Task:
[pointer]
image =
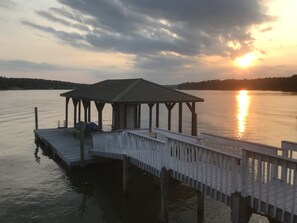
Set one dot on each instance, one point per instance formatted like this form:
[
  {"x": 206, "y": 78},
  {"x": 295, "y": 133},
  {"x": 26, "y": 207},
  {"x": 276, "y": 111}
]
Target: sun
[{"x": 246, "y": 60}]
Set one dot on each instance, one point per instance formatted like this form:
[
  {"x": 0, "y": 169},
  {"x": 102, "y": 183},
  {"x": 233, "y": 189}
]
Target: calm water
[{"x": 33, "y": 188}]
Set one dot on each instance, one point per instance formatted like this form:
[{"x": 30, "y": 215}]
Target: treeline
[
  {"x": 272, "y": 83},
  {"x": 30, "y": 83}
]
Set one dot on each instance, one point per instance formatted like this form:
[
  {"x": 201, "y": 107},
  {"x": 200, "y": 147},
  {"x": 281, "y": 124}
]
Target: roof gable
[{"x": 130, "y": 91}]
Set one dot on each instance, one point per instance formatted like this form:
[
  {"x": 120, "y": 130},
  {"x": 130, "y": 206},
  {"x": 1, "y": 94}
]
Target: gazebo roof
[{"x": 130, "y": 91}]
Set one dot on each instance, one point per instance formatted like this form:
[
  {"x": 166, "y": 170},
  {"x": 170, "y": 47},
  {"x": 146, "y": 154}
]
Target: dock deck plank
[{"x": 67, "y": 147}]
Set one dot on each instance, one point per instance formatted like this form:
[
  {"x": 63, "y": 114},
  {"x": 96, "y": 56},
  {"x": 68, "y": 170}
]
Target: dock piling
[
  {"x": 200, "y": 206},
  {"x": 125, "y": 174},
  {"x": 164, "y": 180},
  {"x": 82, "y": 145},
  {"x": 36, "y": 117}
]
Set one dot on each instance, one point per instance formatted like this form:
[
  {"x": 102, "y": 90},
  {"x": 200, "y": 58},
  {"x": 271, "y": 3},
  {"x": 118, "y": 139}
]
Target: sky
[{"x": 167, "y": 41}]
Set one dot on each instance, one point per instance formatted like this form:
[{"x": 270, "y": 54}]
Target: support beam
[
  {"x": 66, "y": 111},
  {"x": 240, "y": 211},
  {"x": 169, "y": 107},
  {"x": 139, "y": 116},
  {"x": 180, "y": 117},
  {"x": 151, "y": 116},
  {"x": 89, "y": 111},
  {"x": 86, "y": 105},
  {"x": 125, "y": 116},
  {"x": 126, "y": 164},
  {"x": 135, "y": 117},
  {"x": 200, "y": 207},
  {"x": 192, "y": 108},
  {"x": 99, "y": 106},
  {"x": 164, "y": 180},
  {"x": 75, "y": 102},
  {"x": 157, "y": 115},
  {"x": 79, "y": 111}
]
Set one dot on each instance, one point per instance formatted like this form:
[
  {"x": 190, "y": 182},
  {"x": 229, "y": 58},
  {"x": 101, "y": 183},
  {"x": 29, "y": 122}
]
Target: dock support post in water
[
  {"x": 82, "y": 145},
  {"x": 125, "y": 174},
  {"x": 36, "y": 118},
  {"x": 200, "y": 206},
  {"x": 164, "y": 179},
  {"x": 240, "y": 212}
]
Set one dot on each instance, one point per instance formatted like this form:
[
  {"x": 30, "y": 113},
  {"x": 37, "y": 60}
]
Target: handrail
[
  {"x": 146, "y": 137},
  {"x": 242, "y": 143},
  {"x": 208, "y": 148}
]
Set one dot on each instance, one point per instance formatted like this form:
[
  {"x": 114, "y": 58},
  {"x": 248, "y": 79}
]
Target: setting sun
[{"x": 246, "y": 60}]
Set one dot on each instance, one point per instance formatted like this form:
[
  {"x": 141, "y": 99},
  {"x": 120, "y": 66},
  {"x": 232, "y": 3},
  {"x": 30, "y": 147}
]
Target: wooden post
[
  {"x": 86, "y": 105},
  {"x": 125, "y": 174},
  {"x": 79, "y": 111},
  {"x": 135, "y": 117},
  {"x": 99, "y": 106},
  {"x": 157, "y": 115},
  {"x": 36, "y": 117},
  {"x": 180, "y": 117},
  {"x": 151, "y": 116},
  {"x": 164, "y": 180},
  {"x": 169, "y": 107},
  {"x": 200, "y": 207},
  {"x": 66, "y": 111},
  {"x": 82, "y": 145},
  {"x": 75, "y": 101},
  {"x": 125, "y": 116},
  {"x": 139, "y": 116},
  {"x": 89, "y": 111},
  {"x": 194, "y": 118},
  {"x": 240, "y": 211}
]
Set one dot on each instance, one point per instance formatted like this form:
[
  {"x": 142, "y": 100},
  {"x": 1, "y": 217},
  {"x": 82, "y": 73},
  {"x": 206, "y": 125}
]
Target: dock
[
  {"x": 247, "y": 176},
  {"x": 65, "y": 146}
]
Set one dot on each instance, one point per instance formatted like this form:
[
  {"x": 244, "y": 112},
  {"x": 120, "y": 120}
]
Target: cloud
[
  {"x": 6, "y": 65},
  {"x": 8, "y": 4},
  {"x": 147, "y": 29}
]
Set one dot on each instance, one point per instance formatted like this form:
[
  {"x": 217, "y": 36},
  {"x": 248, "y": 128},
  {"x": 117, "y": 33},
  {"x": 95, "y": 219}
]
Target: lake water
[{"x": 34, "y": 188}]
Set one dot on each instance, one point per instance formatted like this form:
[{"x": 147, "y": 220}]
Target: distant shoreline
[
  {"x": 35, "y": 84},
  {"x": 285, "y": 84}
]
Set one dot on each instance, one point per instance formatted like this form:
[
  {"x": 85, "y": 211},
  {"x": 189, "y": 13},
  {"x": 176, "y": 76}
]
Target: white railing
[
  {"x": 216, "y": 171},
  {"x": 270, "y": 181},
  {"x": 145, "y": 149},
  {"x": 255, "y": 170},
  {"x": 112, "y": 143},
  {"x": 175, "y": 135},
  {"x": 289, "y": 149},
  {"x": 235, "y": 146}
]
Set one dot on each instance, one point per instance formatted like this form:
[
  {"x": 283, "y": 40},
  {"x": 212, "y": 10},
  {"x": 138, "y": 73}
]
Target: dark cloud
[{"x": 147, "y": 29}]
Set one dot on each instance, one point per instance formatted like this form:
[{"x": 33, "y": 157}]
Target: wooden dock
[
  {"x": 244, "y": 175},
  {"x": 63, "y": 144}
]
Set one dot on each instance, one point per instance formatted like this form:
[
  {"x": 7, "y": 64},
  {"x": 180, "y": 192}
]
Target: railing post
[{"x": 244, "y": 175}]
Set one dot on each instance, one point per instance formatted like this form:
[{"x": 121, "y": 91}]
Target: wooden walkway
[
  {"x": 220, "y": 167},
  {"x": 62, "y": 144}
]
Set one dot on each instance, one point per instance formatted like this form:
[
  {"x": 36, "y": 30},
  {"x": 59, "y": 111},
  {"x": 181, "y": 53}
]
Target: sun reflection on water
[{"x": 243, "y": 102}]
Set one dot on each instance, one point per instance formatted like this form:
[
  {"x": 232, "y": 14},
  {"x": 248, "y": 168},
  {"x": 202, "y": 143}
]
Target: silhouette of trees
[
  {"x": 271, "y": 83},
  {"x": 29, "y": 83}
]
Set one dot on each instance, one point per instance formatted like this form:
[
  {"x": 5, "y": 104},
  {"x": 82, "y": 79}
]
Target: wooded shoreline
[{"x": 288, "y": 84}]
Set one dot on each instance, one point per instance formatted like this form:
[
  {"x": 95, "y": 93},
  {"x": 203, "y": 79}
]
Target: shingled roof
[{"x": 130, "y": 91}]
